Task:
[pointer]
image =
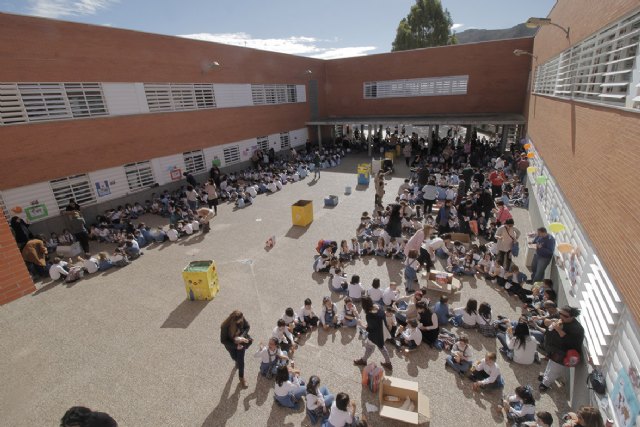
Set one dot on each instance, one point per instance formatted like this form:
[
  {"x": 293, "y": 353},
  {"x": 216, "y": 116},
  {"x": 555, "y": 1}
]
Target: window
[
  {"x": 158, "y": 97},
  {"x": 85, "y": 99},
  {"x": 139, "y": 175},
  {"x": 274, "y": 94},
  {"x": 44, "y": 101},
  {"x": 263, "y": 143},
  {"x": 599, "y": 69},
  {"x": 183, "y": 97},
  {"x": 270, "y": 94},
  {"x": 205, "y": 97},
  {"x": 231, "y": 155},
  {"x": 194, "y": 161},
  {"x": 284, "y": 140},
  {"x": 257, "y": 94},
  {"x": 428, "y": 86},
  {"x": 11, "y": 108},
  {"x": 76, "y": 187},
  {"x": 5, "y": 211},
  {"x": 292, "y": 93}
]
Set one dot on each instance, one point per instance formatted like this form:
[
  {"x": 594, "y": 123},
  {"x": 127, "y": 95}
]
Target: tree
[{"x": 426, "y": 25}]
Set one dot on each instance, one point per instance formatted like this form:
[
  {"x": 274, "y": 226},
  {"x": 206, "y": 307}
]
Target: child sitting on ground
[
  {"x": 485, "y": 373},
  {"x": 338, "y": 282},
  {"x": 367, "y": 247},
  {"x": 375, "y": 293},
  {"x": 329, "y": 314},
  {"x": 307, "y": 317},
  {"x": 284, "y": 338},
  {"x": 355, "y": 289},
  {"x": 271, "y": 357},
  {"x": 410, "y": 337},
  {"x": 350, "y": 315}
]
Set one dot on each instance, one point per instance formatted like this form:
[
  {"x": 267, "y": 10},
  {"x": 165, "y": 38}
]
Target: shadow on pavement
[{"x": 184, "y": 314}]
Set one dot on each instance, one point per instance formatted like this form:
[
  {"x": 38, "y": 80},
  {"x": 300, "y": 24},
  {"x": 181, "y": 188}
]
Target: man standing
[
  {"x": 545, "y": 245},
  {"x": 562, "y": 335},
  {"x": 497, "y": 178},
  {"x": 522, "y": 166},
  {"x": 316, "y": 163}
]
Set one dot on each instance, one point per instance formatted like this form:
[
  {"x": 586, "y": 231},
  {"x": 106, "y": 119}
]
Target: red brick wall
[
  {"x": 592, "y": 152},
  {"x": 14, "y": 277},
  {"x": 497, "y": 80}
]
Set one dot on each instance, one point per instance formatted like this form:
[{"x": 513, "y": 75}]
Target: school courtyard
[{"x": 127, "y": 342}]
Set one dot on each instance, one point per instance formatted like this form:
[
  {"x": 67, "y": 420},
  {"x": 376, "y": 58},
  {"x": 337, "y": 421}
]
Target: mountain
[{"x": 474, "y": 36}]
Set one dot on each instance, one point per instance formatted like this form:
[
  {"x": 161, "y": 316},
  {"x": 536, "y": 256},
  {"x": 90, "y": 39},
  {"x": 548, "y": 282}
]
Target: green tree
[{"x": 426, "y": 25}]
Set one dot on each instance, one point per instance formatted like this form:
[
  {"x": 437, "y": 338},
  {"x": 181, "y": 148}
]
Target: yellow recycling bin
[
  {"x": 390, "y": 155},
  {"x": 302, "y": 213},
  {"x": 201, "y": 280}
]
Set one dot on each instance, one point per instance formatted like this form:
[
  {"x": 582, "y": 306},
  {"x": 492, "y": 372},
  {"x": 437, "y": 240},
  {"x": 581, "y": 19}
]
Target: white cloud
[
  {"x": 457, "y": 26},
  {"x": 344, "y": 52},
  {"x": 62, "y": 8},
  {"x": 295, "y": 45}
]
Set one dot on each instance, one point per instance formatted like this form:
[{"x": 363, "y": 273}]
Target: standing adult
[
  {"x": 316, "y": 164},
  {"x": 522, "y": 166},
  {"x": 190, "y": 179},
  {"x": 467, "y": 174},
  {"x": 72, "y": 206},
  {"x": 497, "y": 178},
  {"x": 374, "y": 316},
  {"x": 394, "y": 226},
  {"x": 77, "y": 227},
  {"x": 562, "y": 335},
  {"x": 406, "y": 152},
  {"x": 429, "y": 196},
  {"x": 545, "y": 245},
  {"x": 35, "y": 255},
  {"x": 212, "y": 195},
  {"x": 234, "y": 335},
  {"x": 506, "y": 235},
  {"x": 20, "y": 231}
]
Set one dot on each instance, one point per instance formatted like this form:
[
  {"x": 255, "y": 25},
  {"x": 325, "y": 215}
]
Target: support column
[
  {"x": 15, "y": 280},
  {"x": 505, "y": 137},
  {"x": 467, "y": 137},
  {"x": 319, "y": 136},
  {"x": 369, "y": 138}
]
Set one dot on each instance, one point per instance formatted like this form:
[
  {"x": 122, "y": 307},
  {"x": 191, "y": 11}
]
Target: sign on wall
[
  {"x": 624, "y": 400},
  {"x": 36, "y": 212},
  {"x": 103, "y": 188},
  {"x": 176, "y": 174}
]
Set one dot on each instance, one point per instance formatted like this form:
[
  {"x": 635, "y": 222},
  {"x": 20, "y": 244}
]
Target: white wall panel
[
  {"x": 301, "y": 93},
  {"x": 125, "y": 98},
  {"x": 213, "y": 153},
  {"x": 247, "y": 147},
  {"x": 32, "y": 202},
  {"x": 274, "y": 142},
  {"x": 233, "y": 95},
  {"x": 168, "y": 169},
  {"x": 112, "y": 184},
  {"x": 298, "y": 137}
]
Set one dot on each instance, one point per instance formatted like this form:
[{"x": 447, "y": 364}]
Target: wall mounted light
[
  {"x": 520, "y": 52},
  {"x": 541, "y": 22}
]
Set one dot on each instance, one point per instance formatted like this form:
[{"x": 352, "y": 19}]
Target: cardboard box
[
  {"x": 461, "y": 237},
  {"x": 302, "y": 213},
  {"x": 392, "y": 386},
  {"x": 448, "y": 286}
]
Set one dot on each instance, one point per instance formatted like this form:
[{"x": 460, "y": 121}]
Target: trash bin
[
  {"x": 201, "y": 280},
  {"x": 331, "y": 200},
  {"x": 302, "y": 213},
  {"x": 364, "y": 171}
]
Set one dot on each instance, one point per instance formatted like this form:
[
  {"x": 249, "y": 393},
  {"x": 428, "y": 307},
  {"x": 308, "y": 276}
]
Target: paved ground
[{"x": 126, "y": 341}]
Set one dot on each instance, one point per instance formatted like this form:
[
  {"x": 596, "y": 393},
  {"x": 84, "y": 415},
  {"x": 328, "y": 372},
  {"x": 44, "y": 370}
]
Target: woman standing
[
  {"x": 79, "y": 231},
  {"x": 234, "y": 335},
  {"x": 212, "y": 193},
  {"x": 394, "y": 226},
  {"x": 21, "y": 231},
  {"x": 375, "y": 337},
  {"x": 506, "y": 235}
]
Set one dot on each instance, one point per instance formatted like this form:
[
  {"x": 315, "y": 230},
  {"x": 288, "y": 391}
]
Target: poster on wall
[
  {"x": 103, "y": 188},
  {"x": 216, "y": 162},
  {"x": 176, "y": 174},
  {"x": 625, "y": 401},
  {"x": 36, "y": 212}
]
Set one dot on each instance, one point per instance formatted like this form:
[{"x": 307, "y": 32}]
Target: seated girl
[
  {"x": 496, "y": 273},
  {"x": 518, "y": 345},
  {"x": 52, "y": 243},
  {"x": 381, "y": 247},
  {"x": 355, "y": 289},
  {"x": 519, "y": 407},
  {"x": 466, "y": 316},
  {"x": 104, "y": 262},
  {"x": 411, "y": 267},
  {"x": 355, "y": 248},
  {"x": 345, "y": 252},
  {"x": 483, "y": 320},
  {"x": 343, "y": 412},
  {"x": 350, "y": 315},
  {"x": 461, "y": 355},
  {"x": 409, "y": 336},
  {"x": 367, "y": 247},
  {"x": 466, "y": 266},
  {"x": 319, "y": 398},
  {"x": 339, "y": 282},
  {"x": 483, "y": 268},
  {"x": 307, "y": 318},
  {"x": 514, "y": 280},
  {"x": 329, "y": 314},
  {"x": 289, "y": 388},
  {"x": 428, "y": 324},
  {"x": 375, "y": 293},
  {"x": 271, "y": 357},
  {"x": 485, "y": 373}
]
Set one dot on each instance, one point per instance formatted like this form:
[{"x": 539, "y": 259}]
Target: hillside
[{"x": 474, "y": 35}]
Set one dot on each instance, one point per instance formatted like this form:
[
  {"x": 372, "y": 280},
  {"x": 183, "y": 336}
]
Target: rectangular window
[
  {"x": 183, "y": 97},
  {"x": 231, "y": 155},
  {"x": 270, "y": 94},
  {"x": 194, "y": 161},
  {"x": 205, "y": 97},
  {"x": 257, "y": 94},
  {"x": 85, "y": 99},
  {"x": 44, "y": 101},
  {"x": 158, "y": 97},
  {"x": 284, "y": 140},
  {"x": 139, "y": 175},
  {"x": 11, "y": 109},
  {"x": 263, "y": 143},
  {"x": 76, "y": 187},
  {"x": 428, "y": 86},
  {"x": 292, "y": 94}
]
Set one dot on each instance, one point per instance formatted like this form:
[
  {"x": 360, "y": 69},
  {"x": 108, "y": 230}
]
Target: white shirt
[
  {"x": 339, "y": 418},
  {"x": 57, "y": 270},
  {"x": 91, "y": 265},
  {"x": 492, "y": 371},
  {"x": 281, "y": 334},
  {"x": 305, "y": 312},
  {"x": 434, "y": 244},
  {"x": 315, "y": 401},
  {"x": 375, "y": 294},
  {"x": 389, "y": 296},
  {"x": 336, "y": 282},
  {"x": 195, "y": 225},
  {"x": 467, "y": 319},
  {"x": 268, "y": 356},
  {"x": 188, "y": 228},
  {"x": 429, "y": 192},
  {"x": 172, "y": 234},
  {"x": 413, "y": 334},
  {"x": 355, "y": 290},
  {"x": 523, "y": 355},
  {"x": 286, "y": 388}
]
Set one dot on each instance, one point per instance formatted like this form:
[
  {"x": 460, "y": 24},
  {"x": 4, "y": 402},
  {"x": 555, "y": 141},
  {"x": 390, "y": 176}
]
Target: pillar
[
  {"x": 319, "y": 136},
  {"x": 505, "y": 137},
  {"x": 15, "y": 280},
  {"x": 369, "y": 138},
  {"x": 467, "y": 137}
]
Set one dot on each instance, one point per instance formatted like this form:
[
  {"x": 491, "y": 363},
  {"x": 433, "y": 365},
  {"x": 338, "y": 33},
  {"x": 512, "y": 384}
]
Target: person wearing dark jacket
[
  {"x": 79, "y": 416},
  {"x": 545, "y": 246},
  {"x": 234, "y": 335},
  {"x": 20, "y": 231},
  {"x": 77, "y": 227},
  {"x": 375, "y": 338},
  {"x": 394, "y": 226}
]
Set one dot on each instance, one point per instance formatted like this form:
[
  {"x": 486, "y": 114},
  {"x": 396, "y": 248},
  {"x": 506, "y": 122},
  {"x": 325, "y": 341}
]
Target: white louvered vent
[
  {"x": 194, "y": 161},
  {"x": 284, "y": 140},
  {"x": 11, "y": 108},
  {"x": 263, "y": 143},
  {"x": 273, "y": 94},
  {"x": 428, "y": 86},
  {"x": 85, "y": 99},
  {"x": 231, "y": 155},
  {"x": 44, "y": 101},
  {"x": 76, "y": 187},
  {"x": 139, "y": 175}
]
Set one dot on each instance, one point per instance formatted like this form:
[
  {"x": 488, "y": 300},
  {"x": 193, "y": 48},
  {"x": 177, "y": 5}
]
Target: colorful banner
[{"x": 625, "y": 401}]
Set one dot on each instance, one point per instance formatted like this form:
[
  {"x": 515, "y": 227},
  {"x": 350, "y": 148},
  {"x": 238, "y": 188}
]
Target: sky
[{"x": 324, "y": 29}]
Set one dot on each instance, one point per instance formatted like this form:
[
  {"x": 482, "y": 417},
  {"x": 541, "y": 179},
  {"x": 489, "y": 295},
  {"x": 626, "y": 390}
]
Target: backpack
[
  {"x": 571, "y": 358},
  {"x": 597, "y": 382}
]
